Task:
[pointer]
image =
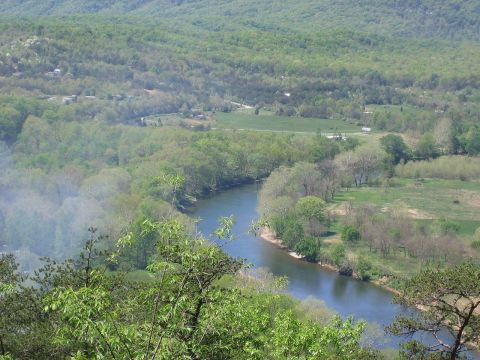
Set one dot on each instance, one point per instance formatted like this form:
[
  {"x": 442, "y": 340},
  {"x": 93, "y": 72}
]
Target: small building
[
  {"x": 67, "y": 100},
  {"x": 337, "y": 137},
  {"x": 366, "y": 130}
]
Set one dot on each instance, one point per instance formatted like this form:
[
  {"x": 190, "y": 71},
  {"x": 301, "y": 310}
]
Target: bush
[
  {"x": 338, "y": 254},
  {"x": 345, "y": 269},
  {"x": 351, "y": 234},
  {"x": 364, "y": 270},
  {"x": 449, "y": 227},
  {"x": 288, "y": 229},
  {"x": 308, "y": 248},
  {"x": 445, "y": 167}
]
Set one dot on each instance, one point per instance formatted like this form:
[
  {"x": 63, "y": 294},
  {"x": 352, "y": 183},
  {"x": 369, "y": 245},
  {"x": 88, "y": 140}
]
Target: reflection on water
[{"x": 343, "y": 294}]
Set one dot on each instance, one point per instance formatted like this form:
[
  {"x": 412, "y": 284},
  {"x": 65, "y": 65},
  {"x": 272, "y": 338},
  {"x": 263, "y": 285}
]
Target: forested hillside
[
  {"x": 361, "y": 119},
  {"x": 429, "y": 18},
  {"x": 123, "y": 70}
]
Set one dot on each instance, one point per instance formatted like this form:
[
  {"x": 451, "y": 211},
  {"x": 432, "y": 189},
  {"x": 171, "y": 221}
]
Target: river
[{"x": 343, "y": 294}]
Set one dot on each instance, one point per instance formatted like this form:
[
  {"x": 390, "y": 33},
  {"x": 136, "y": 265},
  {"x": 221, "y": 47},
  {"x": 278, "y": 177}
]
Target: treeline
[
  {"x": 393, "y": 233},
  {"x": 128, "y": 70},
  {"x": 438, "y": 19},
  {"x": 64, "y": 177},
  {"x": 294, "y": 206},
  {"x": 445, "y": 167}
]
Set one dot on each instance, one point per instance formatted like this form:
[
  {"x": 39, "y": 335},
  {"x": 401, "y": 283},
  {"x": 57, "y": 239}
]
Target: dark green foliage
[
  {"x": 470, "y": 141},
  {"x": 426, "y": 148},
  {"x": 79, "y": 174},
  {"x": 338, "y": 254},
  {"x": 309, "y": 248},
  {"x": 289, "y": 229},
  {"x": 445, "y": 18},
  {"x": 364, "y": 269},
  {"x": 396, "y": 148},
  {"x": 350, "y": 234},
  {"x": 324, "y": 149},
  {"x": 180, "y": 309}
]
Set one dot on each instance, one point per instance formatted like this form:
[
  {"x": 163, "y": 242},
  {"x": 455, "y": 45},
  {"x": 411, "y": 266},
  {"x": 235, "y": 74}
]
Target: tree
[
  {"x": 351, "y": 234},
  {"x": 450, "y": 299},
  {"x": 427, "y": 148},
  {"x": 10, "y": 124},
  {"x": 443, "y": 135},
  {"x": 471, "y": 140},
  {"x": 308, "y": 247},
  {"x": 181, "y": 308},
  {"x": 364, "y": 269},
  {"x": 396, "y": 148},
  {"x": 312, "y": 210},
  {"x": 360, "y": 164},
  {"x": 338, "y": 254}
]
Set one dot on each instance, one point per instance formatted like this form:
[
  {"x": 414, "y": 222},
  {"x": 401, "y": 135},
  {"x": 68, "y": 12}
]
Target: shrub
[
  {"x": 350, "y": 233},
  {"x": 338, "y": 254},
  {"x": 345, "y": 269},
  {"x": 449, "y": 227},
  {"x": 308, "y": 248},
  {"x": 364, "y": 269},
  {"x": 445, "y": 167}
]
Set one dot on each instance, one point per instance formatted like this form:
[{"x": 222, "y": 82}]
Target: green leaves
[
  {"x": 447, "y": 298},
  {"x": 224, "y": 231},
  {"x": 188, "y": 308}
]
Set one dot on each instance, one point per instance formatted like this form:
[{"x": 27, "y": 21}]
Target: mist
[{"x": 49, "y": 215}]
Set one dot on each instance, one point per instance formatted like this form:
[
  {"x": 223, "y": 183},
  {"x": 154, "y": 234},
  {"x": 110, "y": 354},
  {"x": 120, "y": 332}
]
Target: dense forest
[
  {"x": 117, "y": 116},
  {"x": 121, "y": 72},
  {"x": 445, "y": 18}
]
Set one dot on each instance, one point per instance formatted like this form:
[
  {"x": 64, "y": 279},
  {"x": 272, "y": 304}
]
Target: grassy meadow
[
  {"x": 246, "y": 120},
  {"x": 425, "y": 201}
]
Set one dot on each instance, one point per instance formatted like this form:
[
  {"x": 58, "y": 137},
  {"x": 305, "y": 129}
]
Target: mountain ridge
[{"x": 452, "y": 19}]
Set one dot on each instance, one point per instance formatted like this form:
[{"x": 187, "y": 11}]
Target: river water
[{"x": 343, "y": 294}]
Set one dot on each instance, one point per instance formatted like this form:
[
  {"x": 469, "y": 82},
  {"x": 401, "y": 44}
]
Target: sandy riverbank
[{"x": 267, "y": 235}]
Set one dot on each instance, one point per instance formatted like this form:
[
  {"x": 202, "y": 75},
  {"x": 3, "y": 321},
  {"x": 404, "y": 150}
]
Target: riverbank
[{"x": 267, "y": 235}]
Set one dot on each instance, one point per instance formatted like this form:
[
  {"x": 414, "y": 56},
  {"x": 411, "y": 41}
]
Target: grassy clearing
[
  {"x": 427, "y": 199},
  {"x": 248, "y": 121},
  {"x": 425, "y": 202}
]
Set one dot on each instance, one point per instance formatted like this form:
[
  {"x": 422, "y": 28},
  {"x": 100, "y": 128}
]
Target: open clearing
[
  {"x": 424, "y": 200},
  {"x": 243, "y": 120}
]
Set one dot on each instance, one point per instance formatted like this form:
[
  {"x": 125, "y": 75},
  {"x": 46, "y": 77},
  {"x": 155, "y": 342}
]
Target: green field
[
  {"x": 242, "y": 120},
  {"x": 425, "y": 200}
]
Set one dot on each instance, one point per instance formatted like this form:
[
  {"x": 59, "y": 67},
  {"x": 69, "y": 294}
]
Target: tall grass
[{"x": 445, "y": 167}]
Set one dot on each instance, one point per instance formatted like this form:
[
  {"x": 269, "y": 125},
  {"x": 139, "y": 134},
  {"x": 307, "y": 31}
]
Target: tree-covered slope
[{"x": 442, "y": 18}]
